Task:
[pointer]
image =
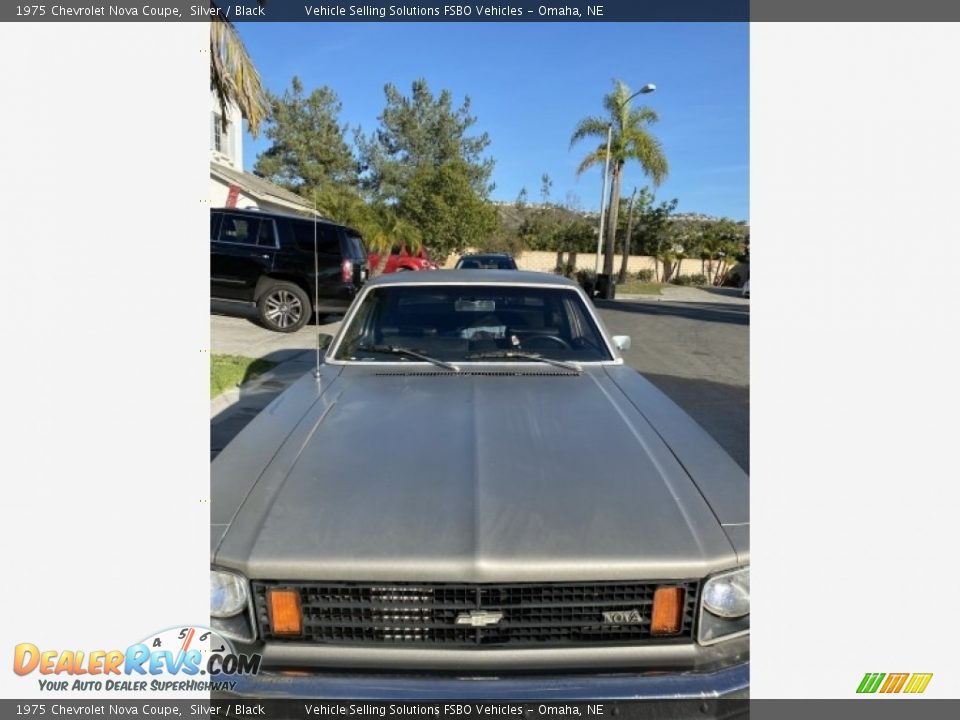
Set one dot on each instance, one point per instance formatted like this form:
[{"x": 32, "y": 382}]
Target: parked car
[
  {"x": 267, "y": 259},
  {"x": 571, "y": 533},
  {"x": 486, "y": 261},
  {"x": 401, "y": 260}
]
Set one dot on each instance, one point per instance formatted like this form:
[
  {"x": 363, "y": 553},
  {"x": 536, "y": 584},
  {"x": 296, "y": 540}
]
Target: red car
[{"x": 401, "y": 260}]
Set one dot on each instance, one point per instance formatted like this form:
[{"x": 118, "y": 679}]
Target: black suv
[{"x": 267, "y": 258}]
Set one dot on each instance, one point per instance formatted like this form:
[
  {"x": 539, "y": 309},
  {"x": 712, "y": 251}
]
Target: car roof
[
  {"x": 278, "y": 214},
  {"x": 472, "y": 277},
  {"x": 486, "y": 254}
]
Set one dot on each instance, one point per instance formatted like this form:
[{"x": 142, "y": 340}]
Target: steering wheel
[{"x": 552, "y": 338}]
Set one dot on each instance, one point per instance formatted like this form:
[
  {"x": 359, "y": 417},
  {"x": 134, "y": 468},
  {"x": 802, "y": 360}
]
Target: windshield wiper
[
  {"x": 409, "y": 352},
  {"x": 524, "y": 355}
]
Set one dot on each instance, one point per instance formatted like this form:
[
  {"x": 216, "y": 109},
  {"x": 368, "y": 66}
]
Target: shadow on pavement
[
  {"x": 707, "y": 312},
  {"x": 238, "y": 310},
  {"x": 257, "y": 394},
  {"x": 722, "y": 410},
  {"x": 248, "y": 311},
  {"x": 725, "y": 291}
]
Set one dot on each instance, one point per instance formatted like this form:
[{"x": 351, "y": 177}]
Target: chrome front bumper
[{"x": 732, "y": 682}]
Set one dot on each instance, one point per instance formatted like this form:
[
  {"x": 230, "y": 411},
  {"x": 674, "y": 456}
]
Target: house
[{"x": 230, "y": 186}]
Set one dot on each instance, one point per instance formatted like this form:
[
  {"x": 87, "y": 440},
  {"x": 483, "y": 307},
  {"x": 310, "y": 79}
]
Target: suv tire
[{"x": 283, "y": 306}]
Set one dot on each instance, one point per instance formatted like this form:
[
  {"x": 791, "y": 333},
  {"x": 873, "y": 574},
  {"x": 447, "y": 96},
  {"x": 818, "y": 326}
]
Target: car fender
[{"x": 723, "y": 483}]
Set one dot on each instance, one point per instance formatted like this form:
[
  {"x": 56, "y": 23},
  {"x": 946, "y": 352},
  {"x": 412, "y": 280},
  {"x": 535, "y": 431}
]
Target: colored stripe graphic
[
  {"x": 918, "y": 682},
  {"x": 870, "y": 682},
  {"x": 894, "y": 683}
]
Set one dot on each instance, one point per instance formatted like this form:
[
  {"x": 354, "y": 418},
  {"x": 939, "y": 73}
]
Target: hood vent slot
[{"x": 473, "y": 373}]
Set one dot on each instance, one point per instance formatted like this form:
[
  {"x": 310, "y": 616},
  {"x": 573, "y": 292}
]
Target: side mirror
[{"x": 621, "y": 342}]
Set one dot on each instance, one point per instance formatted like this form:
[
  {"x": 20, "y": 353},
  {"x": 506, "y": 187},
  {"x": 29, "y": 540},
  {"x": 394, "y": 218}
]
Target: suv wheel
[{"x": 283, "y": 306}]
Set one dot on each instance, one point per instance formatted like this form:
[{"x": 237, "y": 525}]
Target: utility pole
[{"x": 603, "y": 201}]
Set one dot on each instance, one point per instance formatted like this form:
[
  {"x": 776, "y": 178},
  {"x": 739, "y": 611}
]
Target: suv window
[
  {"x": 239, "y": 229},
  {"x": 267, "y": 236},
  {"x": 215, "y": 225},
  {"x": 355, "y": 247},
  {"x": 327, "y": 242}
]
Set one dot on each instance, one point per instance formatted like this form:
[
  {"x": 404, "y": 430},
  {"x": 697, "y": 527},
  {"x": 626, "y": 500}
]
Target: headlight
[
  {"x": 228, "y": 594},
  {"x": 728, "y": 595},
  {"x": 725, "y": 606}
]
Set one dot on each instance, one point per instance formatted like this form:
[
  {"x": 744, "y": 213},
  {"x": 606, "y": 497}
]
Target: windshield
[{"x": 472, "y": 323}]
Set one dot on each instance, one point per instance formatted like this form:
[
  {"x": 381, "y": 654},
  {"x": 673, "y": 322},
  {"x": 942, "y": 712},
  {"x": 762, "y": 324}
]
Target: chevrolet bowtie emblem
[{"x": 479, "y": 618}]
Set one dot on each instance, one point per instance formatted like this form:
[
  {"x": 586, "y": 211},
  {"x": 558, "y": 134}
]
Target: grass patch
[
  {"x": 636, "y": 287},
  {"x": 228, "y": 371}
]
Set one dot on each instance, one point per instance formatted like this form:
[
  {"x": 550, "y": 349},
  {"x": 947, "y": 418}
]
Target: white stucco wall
[{"x": 234, "y": 141}]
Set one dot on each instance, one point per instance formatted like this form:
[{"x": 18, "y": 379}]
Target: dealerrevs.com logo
[
  {"x": 181, "y": 659},
  {"x": 892, "y": 683}
]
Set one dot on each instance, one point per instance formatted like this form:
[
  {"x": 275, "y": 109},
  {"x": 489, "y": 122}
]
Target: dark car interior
[
  {"x": 451, "y": 323},
  {"x": 486, "y": 262}
]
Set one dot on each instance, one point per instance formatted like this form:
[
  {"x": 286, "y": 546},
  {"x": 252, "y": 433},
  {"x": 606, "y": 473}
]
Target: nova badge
[
  {"x": 622, "y": 617},
  {"x": 479, "y": 618}
]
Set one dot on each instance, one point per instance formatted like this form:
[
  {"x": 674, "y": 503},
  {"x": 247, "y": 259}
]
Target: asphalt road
[
  {"x": 695, "y": 352},
  {"x": 699, "y": 355}
]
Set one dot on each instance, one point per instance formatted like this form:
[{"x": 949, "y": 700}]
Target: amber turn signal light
[
  {"x": 285, "y": 618},
  {"x": 667, "y": 611}
]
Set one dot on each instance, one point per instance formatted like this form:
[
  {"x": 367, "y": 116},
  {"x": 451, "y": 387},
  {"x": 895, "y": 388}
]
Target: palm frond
[
  {"x": 233, "y": 76},
  {"x": 589, "y": 127},
  {"x": 597, "y": 157},
  {"x": 648, "y": 151},
  {"x": 615, "y": 102},
  {"x": 643, "y": 116}
]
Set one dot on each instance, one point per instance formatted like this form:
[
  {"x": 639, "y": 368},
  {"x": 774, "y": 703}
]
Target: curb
[
  {"x": 228, "y": 398},
  {"x": 224, "y": 400},
  {"x": 632, "y": 298}
]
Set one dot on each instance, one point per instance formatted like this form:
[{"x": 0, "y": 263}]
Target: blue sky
[{"x": 530, "y": 83}]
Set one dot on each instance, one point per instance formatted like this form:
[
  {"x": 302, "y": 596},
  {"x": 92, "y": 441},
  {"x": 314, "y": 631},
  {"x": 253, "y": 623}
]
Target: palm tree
[
  {"x": 233, "y": 76},
  {"x": 385, "y": 229},
  {"x": 630, "y": 140}
]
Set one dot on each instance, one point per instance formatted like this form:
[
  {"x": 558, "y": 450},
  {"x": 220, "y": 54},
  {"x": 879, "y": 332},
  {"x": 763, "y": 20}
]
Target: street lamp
[{"x": 648, "y": 88}]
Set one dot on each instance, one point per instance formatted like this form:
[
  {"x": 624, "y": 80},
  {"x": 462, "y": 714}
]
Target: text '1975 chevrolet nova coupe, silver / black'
[{"x": 475, "y": 497}]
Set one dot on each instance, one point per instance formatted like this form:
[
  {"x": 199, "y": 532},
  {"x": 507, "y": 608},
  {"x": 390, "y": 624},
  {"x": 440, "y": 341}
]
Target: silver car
[{"x": 475, "y": 487}]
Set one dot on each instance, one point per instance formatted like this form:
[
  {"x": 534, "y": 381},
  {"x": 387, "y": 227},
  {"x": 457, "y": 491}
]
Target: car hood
[{"x": 421, "y": 474}]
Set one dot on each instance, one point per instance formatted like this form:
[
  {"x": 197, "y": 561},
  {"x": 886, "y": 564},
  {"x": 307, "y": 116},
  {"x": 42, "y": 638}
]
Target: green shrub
[
  {"x": 567, "y": 270},
  {"x": 645, "y": 275},
  {"x": 698, "y": 280}
]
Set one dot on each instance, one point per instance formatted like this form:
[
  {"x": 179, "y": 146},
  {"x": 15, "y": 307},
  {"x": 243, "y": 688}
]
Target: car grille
[{"x": 427, "y": 614}]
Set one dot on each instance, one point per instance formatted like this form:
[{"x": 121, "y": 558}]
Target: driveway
[
  {"x": 696, "y": 350},
  {"x": 234, "y": 330}
]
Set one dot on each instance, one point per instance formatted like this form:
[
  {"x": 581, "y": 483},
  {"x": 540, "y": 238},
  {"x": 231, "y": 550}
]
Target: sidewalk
[{"x": 681, "y": 293}]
